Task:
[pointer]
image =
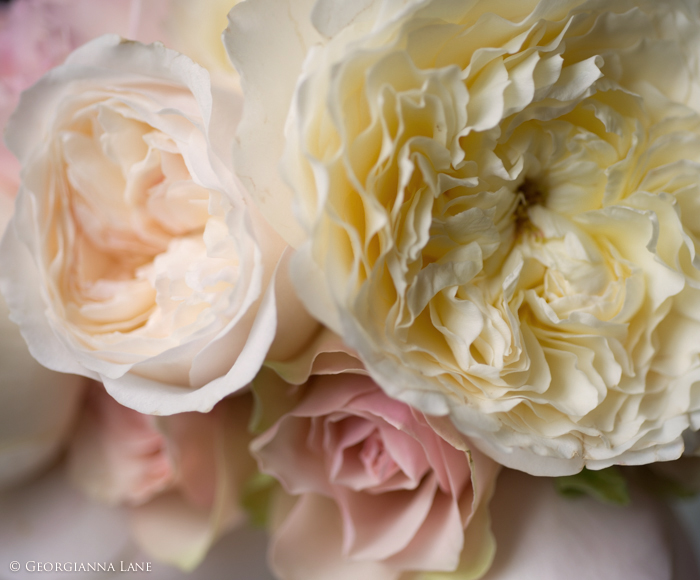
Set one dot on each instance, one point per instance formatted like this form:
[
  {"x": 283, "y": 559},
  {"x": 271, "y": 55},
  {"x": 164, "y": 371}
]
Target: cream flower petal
[
  {"x": 498, "y": 209},
  {"x": 260, "y": 136},
  {"x": 38, "y": 407}
]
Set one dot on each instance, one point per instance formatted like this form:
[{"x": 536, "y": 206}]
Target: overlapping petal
[
  {"x": 495, "y": 210},
  {"x": 386, "y": 490}
]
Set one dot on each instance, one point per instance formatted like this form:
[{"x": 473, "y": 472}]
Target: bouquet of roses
[{"x": 412, "y": 284}]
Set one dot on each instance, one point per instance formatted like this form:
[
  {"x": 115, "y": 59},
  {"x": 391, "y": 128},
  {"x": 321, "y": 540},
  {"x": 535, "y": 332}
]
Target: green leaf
[
  {"x": 256, "y": 497},
  {"x": 607, "y": 485}
]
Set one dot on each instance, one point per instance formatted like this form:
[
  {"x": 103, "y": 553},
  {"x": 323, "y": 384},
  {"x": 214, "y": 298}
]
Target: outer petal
[
  {"x": 37, "y": 406},
  {"x": 326, "y": 354},
  {"x": 35, "y": 114},
  {"x": 308, "y": 546},
  {"x": 268, "y": 52},
  {"x": 154, "y": 397},
  {"x": 36, "y": 35},
  {"x": 196, "y": 28}
]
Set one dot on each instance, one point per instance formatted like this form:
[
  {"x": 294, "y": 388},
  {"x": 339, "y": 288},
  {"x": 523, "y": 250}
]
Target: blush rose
[{"x": 384, "y": 490}]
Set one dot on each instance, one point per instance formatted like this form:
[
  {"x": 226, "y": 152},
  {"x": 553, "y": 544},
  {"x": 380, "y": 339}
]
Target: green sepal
[
  {"x": 256, "y": 498},
  {"x": 273, "y": 398},
  {"x": 607, "y": 485}
]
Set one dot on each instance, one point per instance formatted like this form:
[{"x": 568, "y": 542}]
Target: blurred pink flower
[
  {"x": 384, "y": 489},
  {"x": 180, "y": 476},
  {"x": 117, "y": 455}
]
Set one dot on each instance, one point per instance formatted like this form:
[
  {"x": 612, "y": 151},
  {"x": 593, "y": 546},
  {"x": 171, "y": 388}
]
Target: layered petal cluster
[
  {"x": 385, "y": 491},
  {"x": 134, "y": 257},
  {"x": 497, "y": 209}
]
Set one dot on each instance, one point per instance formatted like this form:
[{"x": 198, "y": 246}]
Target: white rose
[
  {"x": 134, "y": 257},
  {"x": 497, "y": 208}
]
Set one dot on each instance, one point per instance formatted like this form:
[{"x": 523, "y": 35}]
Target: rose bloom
[
  {"x": 384, "y": 490},
  {"x": 178, "y": 477},
  {"x": 497, "y": 208},
  {"x": 134, "y": 257}
]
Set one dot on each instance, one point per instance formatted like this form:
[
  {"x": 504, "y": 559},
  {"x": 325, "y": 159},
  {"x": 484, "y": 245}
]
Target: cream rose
[
  {"x": 497, "y": 208},
  {"x": 134, "y": 258},
  {"x": 37, "y": 406}
]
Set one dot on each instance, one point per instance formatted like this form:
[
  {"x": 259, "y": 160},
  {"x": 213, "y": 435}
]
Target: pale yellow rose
[{"x": 497, "y": 207}]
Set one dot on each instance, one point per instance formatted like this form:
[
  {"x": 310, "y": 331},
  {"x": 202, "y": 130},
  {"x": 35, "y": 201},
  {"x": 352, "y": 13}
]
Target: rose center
[
  {"x": 375, "y": 458},
  {"x": 530, "y": 193}
]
